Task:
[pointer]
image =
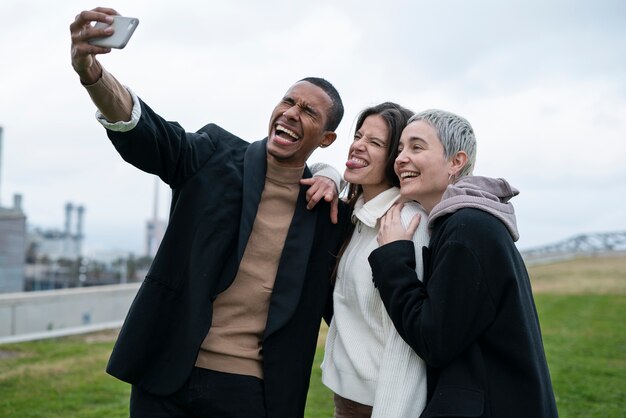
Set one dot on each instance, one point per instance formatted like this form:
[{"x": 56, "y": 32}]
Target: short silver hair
[{"x": 455, "y": 133}]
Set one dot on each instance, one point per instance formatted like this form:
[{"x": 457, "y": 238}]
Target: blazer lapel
[
  {"x": 293, "y": 261},
  {"x": 254, "y": 169},
  {"x": 254, "y": 166}
]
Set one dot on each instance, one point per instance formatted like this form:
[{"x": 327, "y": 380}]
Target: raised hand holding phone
[
  {"x": 82, "y": 31},
  {"x": 123, "y": 29},
  {"x": 111, "y": 98}
]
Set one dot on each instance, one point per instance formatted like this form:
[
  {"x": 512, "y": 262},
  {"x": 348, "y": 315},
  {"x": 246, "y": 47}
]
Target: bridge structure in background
[{"x": 598, "y": 244}]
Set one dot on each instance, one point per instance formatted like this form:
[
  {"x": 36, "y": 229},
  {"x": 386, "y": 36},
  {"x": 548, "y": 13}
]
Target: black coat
[
  {"x": 472, "y": 320},
  {"x": 217, "y": 180}
]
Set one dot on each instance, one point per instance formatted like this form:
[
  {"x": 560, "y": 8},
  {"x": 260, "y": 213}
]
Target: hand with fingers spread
[
  {"x": 391, "y": 228},
  {"x": 322, "y": 188},
  {"x": 83, "y": 53}
]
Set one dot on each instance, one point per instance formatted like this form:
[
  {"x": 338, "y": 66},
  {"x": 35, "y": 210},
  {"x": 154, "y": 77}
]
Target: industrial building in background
[
  {"x": 54, "y": 256},
  {"x": 55, "y": 244},
  {"x": 12, "y": 247},
  {"x": 43, "y": 258},
  {"x": 39, "y": 258},
  {"x": 12, "y": 241}
]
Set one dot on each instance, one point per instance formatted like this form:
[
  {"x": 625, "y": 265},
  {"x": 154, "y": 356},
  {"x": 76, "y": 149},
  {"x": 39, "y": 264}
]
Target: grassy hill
[
  {"x": 580, "y": 276},
  {"x": 581, "y": 305}
]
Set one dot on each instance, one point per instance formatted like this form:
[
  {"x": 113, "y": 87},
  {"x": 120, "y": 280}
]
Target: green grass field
[{"x": 581, "y": 304}]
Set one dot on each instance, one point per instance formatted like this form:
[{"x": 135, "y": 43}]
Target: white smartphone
[{"x": 123, "y": 29}]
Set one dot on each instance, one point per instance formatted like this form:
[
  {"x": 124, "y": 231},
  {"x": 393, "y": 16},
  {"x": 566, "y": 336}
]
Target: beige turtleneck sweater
[{"x": 234, "y": 342}]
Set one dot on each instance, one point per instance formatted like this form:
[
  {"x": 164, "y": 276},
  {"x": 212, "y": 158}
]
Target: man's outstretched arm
[{"x": 110, "y": 97}]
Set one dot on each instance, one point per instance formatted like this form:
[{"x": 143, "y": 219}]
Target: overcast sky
[{"x": 542, "y": 82}]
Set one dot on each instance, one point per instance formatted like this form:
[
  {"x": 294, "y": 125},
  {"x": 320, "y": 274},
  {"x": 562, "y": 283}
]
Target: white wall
[{"x": 51, "y": 313}]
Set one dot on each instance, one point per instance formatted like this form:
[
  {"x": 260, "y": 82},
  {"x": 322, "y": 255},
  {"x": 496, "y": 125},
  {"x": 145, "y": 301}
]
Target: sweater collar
[
  {"x": 283, "y": 175},
  {"x": 369, "y": 212}
]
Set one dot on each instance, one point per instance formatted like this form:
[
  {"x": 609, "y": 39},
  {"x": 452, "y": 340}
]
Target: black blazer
[
  {"x": 472, "y": 320},
  {"x": 217, "y": 180}
]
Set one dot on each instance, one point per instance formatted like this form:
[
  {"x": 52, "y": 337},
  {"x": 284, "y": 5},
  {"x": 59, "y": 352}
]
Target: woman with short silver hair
[{"x": 471, "y": 317}]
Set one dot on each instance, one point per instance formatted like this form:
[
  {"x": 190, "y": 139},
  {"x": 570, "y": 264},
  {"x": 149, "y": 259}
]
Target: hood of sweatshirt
[{"x": 487, "y": 194}]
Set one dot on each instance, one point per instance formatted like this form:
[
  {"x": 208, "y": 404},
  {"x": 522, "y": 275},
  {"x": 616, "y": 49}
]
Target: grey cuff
[{"x": 327, "y": 170}]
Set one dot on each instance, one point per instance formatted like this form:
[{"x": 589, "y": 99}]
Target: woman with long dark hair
[{"x": 370, "y": 369}]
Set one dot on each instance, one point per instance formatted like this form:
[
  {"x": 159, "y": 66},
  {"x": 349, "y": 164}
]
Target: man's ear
[
  {"x": 457, "y": 162},
  {"x": 329, "y": 138}
]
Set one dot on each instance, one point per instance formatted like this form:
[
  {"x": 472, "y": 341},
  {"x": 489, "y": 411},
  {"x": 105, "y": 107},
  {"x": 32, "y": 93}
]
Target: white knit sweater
[{"x": 365, "y": 359}]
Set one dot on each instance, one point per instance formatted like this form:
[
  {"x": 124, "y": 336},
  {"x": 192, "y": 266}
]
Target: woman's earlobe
[{"x": 459, "y": 161}]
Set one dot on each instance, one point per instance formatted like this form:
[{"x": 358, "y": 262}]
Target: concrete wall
[{"x": 50, "y": 313}]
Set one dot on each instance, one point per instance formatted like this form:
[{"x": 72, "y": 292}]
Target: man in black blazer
[{"x": 241, "y": 252}]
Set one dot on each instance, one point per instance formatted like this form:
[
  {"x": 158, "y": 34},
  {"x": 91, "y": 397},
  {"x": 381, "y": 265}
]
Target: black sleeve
[
  {"x": 164, "y": 148},
  {"x": 441, "y": 319}
]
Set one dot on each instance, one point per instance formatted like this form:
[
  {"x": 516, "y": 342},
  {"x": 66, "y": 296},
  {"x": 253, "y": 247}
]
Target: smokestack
[
  {"x": 0, "y": 166},
  {"x": 17, "y": 202},
  {"x": 155, "y": 216},
  {"x": 80, "y": 210},
  {"x": 68, "y": 218}
]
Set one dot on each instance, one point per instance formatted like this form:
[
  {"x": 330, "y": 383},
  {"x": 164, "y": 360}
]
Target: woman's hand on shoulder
[{"x": 391, "y": 228}]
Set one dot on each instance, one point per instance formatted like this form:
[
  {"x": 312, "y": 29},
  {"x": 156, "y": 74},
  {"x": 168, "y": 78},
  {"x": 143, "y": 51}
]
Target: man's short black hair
[{"x": 336, "y": 110}]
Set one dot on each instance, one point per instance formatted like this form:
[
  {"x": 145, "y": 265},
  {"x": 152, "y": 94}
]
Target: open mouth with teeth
[
  {"x": 285, "y": 135},
  {"x": 408, "y": 175}
]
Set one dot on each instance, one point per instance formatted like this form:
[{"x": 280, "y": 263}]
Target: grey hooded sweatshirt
[{"x": 488, "y": 194}]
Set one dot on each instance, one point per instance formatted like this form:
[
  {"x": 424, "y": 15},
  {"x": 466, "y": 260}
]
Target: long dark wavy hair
[{"x": 396, "y": 118}]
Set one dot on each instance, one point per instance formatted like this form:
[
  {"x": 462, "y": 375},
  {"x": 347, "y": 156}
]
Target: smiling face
[
  {"x": 421, "y": 165},
  {"x": 298, "y": 125},
  {"x": 367, "y": 157}
]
